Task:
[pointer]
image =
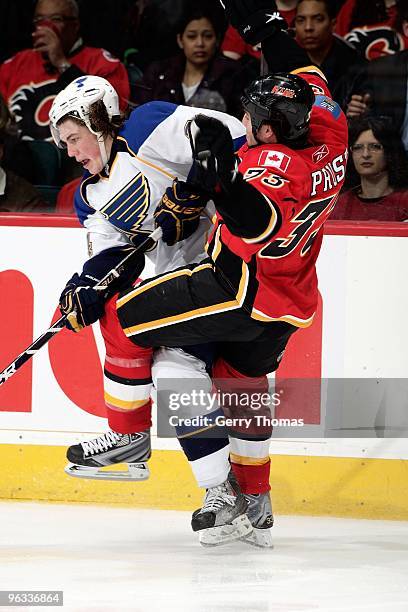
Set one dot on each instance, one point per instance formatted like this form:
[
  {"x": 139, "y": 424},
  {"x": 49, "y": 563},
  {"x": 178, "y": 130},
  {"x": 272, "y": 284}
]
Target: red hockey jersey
[
  {"x": 29, "y": 89},
  {"x": 301, "y": 187}
]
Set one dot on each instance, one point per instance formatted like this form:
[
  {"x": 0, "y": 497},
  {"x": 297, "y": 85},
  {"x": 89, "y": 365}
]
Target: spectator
[
  {"x": 31, "y": 79},
  {"x": 382, "y": 86},
  {"x": 17, "y": 155},
  {"x": 16, "y": 20},
  {"x": 152, "y": 27},
  {"x": 16, "y": 194},
  {"x": 370, "y": 27},
  {"x": 314, "y": 28},
  {"x": 199, "y": 75},
  {"x": 378, "y": 168},
  {"x": 109, "y": 30}
]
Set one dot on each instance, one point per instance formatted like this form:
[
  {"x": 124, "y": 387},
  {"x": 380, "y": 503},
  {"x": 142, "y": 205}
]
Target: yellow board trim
[{"x": 361, "y": 488}]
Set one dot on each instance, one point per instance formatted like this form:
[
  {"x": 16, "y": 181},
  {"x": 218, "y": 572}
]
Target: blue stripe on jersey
[
  {"x": 238, "y": 142},
  {"x": 329, "y": 105},
  {"x": 147, "y": 117},
  {"x": 82, "y": 209}
]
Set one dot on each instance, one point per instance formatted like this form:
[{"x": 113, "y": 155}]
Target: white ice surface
[{"x": 107, "y": 558}]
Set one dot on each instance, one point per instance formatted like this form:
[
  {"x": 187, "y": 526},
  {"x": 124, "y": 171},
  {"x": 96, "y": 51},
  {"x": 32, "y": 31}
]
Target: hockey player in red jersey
[{"x": 259, "y": 283}]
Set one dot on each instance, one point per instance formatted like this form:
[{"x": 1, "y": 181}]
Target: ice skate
[
  {"x": 89, "y": 459},
  {"x": 260, "y": 514},
  {"x": 223, "y": 516}
]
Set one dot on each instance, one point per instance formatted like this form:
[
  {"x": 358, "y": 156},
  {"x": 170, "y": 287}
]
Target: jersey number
[{"x": 305, "y": 221}]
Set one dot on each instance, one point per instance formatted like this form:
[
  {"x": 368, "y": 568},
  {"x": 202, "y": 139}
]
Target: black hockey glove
[
  {"x": 255, "y": 20},
  {"x": 178, "y": 213},
  {"x": 80, "y": 303},
  {"x": 215, "y": 163}
]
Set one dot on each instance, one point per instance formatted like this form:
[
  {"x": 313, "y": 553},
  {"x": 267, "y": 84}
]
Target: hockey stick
[{"x": 107, "y": 280}]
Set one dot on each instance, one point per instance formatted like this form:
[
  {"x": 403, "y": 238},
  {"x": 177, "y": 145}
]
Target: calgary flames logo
[
  {"x": 30, "y": 105},
  {"x": 375, "y": 41},
  {"x": 280, "y": 90}
]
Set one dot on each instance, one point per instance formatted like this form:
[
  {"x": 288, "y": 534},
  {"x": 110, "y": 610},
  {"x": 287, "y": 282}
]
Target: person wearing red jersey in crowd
[
  {"x": 378, "y": 165},
  {"x": 259, "y": 284},
  {"x": 370, "y": 26},
  {"x": 235, "y": 47},
  {"x": 30, "y": 80},
  {"x": 314, "y": 27}
]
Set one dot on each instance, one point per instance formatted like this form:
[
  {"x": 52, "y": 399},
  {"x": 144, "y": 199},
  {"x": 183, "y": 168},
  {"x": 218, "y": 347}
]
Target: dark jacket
[
  {"x": 21, "y": 196},
  {"x": 341, "y": 66},
  {"x": 163, "y": 81},
  {"x": 385, "y": 79}
]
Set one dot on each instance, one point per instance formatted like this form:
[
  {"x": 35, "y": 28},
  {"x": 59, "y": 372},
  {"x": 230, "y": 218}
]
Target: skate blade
[
  {"x": 135, "y": 472},
  {"x": 261, "y": 538},
  {"x": 217, "y": 536}
]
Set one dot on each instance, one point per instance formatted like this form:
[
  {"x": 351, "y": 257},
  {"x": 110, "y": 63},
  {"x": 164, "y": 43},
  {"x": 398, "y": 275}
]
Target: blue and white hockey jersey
[{"x": 150, "y": 151}]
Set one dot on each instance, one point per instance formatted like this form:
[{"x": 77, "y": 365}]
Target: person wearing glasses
[
  {"x": 30, "y": 80},
  {"x": 378, "y": 170}
]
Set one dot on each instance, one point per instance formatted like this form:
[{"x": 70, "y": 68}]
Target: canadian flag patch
[{"x": 274, "y": 159}]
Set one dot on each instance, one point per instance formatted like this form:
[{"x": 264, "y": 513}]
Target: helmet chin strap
[{"x": 102, "y": 149}]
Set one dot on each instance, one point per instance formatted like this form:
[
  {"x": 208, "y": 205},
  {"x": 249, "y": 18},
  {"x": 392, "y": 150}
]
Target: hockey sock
[
  {"x": 251, "y": 478},
  {"x": 208, "y": 459},
  {"x": 127, "y": 377},
  {"x": 130, "y": 421},
  {"x": 251, "y": 430}
]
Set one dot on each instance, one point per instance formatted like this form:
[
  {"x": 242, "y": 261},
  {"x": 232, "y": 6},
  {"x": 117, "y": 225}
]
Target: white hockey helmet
[{"x": 77, "y": 98}]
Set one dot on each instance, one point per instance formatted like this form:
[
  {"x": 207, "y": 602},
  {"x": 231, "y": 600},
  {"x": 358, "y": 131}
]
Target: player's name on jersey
[{"x": 258, "y": 420}]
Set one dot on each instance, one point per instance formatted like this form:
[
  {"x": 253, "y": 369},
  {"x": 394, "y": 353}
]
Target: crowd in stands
[{"x": 184, "y": 51}]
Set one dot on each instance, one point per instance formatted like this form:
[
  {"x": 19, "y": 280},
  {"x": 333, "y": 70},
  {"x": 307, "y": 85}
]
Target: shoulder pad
[{"x": 143, "y": 121}]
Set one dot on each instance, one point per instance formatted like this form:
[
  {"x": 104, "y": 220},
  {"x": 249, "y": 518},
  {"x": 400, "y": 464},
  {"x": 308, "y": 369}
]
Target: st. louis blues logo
[
  {"x": 128, "y": 209},
  {"x": 80, "y": 82}
]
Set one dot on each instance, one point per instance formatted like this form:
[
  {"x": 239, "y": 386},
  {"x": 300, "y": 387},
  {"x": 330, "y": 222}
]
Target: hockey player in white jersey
[{"x": 128, "y": 168}]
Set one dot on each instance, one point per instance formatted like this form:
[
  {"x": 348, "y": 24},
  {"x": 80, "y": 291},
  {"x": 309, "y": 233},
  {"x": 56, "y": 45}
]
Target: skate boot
[
  {"x": 223, "y": 516},
  {"x": 88, "y": 459},
  {"x": 260, "y": 514}
]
